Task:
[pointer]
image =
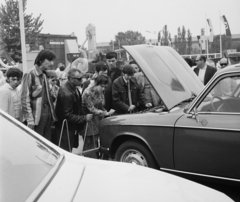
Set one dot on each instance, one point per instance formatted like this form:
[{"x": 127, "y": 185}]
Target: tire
[{"x": 136, "y": 153}]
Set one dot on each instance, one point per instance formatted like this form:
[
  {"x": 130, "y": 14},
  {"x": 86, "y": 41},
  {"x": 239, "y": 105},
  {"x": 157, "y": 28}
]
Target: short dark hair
[
  {"x": 14, "y": 72},
  {"x": 101, "y": 80},
  {"x": 62, "y": 68},
  {"x": 132, "y": 62},
  {"x": 189, "y": 61},
  {"x": 51, "y": 74},
  {"x": 44, "y": 54},
  {"x": 101, "y": 66},
  {"x": 128, "y": 69},
  {"x": 202, "y": 57},
  {"x": 111, "y": 54},
  {"x": 72, "y": 71}
]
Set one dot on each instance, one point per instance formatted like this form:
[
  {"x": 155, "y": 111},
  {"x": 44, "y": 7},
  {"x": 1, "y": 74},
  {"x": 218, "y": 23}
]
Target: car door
[{"x": 207, "y": 141}]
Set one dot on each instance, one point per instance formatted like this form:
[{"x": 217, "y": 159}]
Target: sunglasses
[
  {"x": 79, "y": 79},
  {"x": 223, "y": 64}
]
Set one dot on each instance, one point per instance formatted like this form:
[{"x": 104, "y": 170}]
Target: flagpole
[
  {"x": 206, "y": 34},
  {"x": 22, "y": 32},
  {"x": 220, "y": 35}
]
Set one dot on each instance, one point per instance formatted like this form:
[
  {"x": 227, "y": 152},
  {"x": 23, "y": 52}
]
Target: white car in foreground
[{"x": 33, "y": 169}]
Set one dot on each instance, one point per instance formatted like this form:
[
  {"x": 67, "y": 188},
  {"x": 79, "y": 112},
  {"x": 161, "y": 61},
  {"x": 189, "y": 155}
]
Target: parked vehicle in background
[{"x": 196, "y": 132}]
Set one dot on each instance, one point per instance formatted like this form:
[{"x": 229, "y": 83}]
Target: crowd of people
[{"x": 74, "y": 102}]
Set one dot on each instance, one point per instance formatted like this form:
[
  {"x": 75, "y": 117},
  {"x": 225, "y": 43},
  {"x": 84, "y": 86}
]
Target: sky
[{"x": 113, "y": 16}]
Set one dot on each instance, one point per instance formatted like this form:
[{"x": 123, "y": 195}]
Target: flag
[
  {"x": 227, "y": 28},
  {"x": 210, "y": 30},
  {"x": 202, "y": 42}
]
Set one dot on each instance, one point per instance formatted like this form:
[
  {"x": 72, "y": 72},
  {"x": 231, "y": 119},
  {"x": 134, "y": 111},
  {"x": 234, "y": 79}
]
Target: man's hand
[
  {"x": 111, "y": 112},
  {"x": 131, "y": 108},
  {"x": 31, "y": 125},
  {"x": 89, "y": 117},
  {"x": 148, "y": 105}
]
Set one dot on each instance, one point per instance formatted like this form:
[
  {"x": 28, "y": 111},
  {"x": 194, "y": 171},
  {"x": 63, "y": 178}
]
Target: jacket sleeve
[
  {"x": 67, "y": 108},
  {"x": 5, "y": 100},
  {"x": 25, "y": 98},
  {"x": 89, "y": 101},
  {"x": 140, "y": 93},
  {"x": 119, "y": 104}
]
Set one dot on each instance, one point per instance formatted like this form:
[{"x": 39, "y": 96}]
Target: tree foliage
[
  {"x": 189, "y": 42},
  {"x": 10, "y": 28},
  {"x": 165, "y": 39},
  {"x": 183, "y": 41},
  {"x": 182, "y": 44},
  {"x": 215, "y": 45},
  {"x": 128, "y": 38}
]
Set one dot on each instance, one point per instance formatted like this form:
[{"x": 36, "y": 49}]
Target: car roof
[{"x": 229, "y": 69}]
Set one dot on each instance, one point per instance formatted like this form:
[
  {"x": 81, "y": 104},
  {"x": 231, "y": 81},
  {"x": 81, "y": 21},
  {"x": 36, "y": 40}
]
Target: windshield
[{"x": 24, "y": 161}]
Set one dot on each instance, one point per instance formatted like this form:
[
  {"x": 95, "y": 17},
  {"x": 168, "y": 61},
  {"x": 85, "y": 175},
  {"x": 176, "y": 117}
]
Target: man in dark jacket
[
  {"x": 126, "y": 93},
  {"x": 69, "y": 107},
  {"x": 204, "y": 72}
]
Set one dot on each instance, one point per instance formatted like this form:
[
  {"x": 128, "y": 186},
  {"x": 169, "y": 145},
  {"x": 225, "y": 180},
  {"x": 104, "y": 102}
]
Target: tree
[
  {"x": 165, "y": 40},
  {"x": 215, "y": 45},
  {"x": 236, "y": 45},
  {"x": 179, "y": 40},
  {"x": 183, "y": 41},
  {"x": 159, "y": 37},
  {"x": 189, "y": 42},
  {"x": 10, "y": 28},
  {"x": 128, "y": 38},
  {"x": 176, "y": 44}
]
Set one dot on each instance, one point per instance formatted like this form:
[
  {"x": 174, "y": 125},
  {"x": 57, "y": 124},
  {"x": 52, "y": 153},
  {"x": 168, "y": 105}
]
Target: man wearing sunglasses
[
  {"x": 204, "y": 71},
  {"x": 69, "y": 107},
  {"x": 223, "y": 63}
]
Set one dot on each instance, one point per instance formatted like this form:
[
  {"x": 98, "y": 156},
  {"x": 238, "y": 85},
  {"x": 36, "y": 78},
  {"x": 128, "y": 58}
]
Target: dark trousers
[{"x": 44, "y": 126}]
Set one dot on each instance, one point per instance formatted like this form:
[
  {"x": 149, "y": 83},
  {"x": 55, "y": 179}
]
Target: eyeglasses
[
  {"x": 79, "y": 79},
  {"x": 223, "y": 64}
]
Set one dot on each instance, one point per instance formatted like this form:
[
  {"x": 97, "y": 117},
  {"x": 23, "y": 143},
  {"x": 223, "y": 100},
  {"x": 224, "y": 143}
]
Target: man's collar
[
  {"x": 38, "y": 70},
  {"x": 204, "y": 67},
  {"x": 8, "y": 86},
  {"x": 71, "y": 86},
  {"x": 125, "y": 80}
]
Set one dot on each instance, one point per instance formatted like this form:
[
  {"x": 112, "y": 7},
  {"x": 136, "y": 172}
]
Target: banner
[
  {"x": 202, "y": 42},
  {"x": 227, "y": 28},
  {"x": 210, "y": 30}
]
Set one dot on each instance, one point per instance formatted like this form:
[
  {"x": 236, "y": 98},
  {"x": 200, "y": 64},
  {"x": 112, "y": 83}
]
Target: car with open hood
[
  {"x": 34, "y": 169},
  {"x": 195, "y": 132}
]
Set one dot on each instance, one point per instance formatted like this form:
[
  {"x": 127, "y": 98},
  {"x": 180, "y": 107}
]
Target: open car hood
[{"x": 167, "y": 71}]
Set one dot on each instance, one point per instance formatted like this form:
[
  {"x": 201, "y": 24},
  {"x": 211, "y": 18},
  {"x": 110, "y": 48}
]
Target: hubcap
[{"x": 134, "y": 157}]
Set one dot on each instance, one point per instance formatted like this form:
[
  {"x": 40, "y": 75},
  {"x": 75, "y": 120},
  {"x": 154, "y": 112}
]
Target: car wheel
[{"x": 135, "y": 153}]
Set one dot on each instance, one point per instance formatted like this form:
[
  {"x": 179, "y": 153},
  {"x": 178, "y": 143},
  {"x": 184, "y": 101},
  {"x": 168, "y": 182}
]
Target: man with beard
[{"x": 36, "y": 100}]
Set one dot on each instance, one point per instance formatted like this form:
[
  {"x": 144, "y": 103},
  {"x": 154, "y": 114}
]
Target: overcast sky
[{"x": 113, "y": 16}]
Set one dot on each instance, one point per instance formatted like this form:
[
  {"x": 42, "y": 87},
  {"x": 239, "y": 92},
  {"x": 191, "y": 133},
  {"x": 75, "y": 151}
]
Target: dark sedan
[{"x": 197, "y": 131}]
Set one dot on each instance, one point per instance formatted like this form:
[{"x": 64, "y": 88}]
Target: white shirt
[{"x": 201, "y": 73}]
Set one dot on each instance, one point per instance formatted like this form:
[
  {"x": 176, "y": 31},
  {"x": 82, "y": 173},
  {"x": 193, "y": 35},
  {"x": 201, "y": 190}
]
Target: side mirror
[{"x": 194, "y": 115}]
